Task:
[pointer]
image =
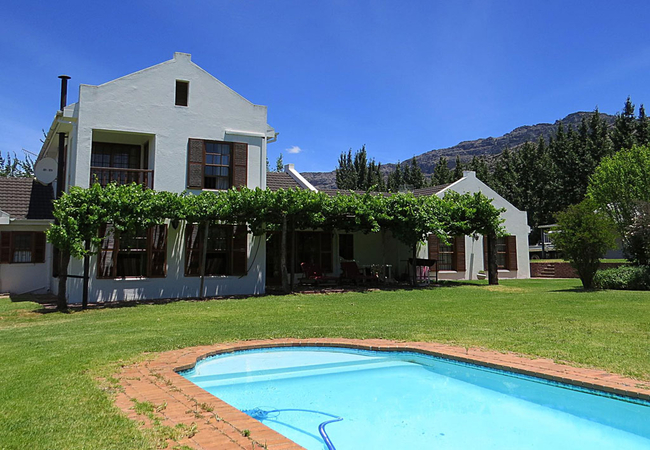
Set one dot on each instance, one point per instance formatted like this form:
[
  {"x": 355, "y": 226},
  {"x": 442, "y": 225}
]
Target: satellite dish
[{"x": 45, "y": 170}]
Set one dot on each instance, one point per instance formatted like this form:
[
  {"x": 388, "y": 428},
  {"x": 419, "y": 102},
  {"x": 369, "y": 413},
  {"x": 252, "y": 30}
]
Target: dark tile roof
[
  {"x": 25, "y": 198},
  {"x": 430, "y": 190},
  {"x": 280, "y": 180}
]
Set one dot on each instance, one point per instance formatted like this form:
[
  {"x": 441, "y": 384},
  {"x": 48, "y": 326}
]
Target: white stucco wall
[
  {"x": 21, "y": 278},
  {"x": 515, "y": 223}
]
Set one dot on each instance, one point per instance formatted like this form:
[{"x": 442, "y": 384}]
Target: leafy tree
[
  {"x": 638, "y": 235},
  {"x": 584, "y": 234},
  {"x": 617, "y": 186}
]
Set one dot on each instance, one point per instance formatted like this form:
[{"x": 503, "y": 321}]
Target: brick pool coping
[{"x": 210, "y": 423}]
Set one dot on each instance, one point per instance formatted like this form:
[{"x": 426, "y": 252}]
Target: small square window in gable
[{"x": 182, "y": 92}]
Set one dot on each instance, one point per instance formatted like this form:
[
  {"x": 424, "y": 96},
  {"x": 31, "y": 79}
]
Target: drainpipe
[{"x": 61, "y": 157}]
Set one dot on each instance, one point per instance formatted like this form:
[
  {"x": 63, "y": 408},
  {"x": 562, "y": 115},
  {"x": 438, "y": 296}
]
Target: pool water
[{"x": 408, "y": 400}]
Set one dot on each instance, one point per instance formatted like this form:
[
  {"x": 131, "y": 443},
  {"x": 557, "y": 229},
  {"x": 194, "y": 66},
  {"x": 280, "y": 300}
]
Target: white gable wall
[
  {"x": 515, "y": 223},
  {"x": 143, "y": 102}
]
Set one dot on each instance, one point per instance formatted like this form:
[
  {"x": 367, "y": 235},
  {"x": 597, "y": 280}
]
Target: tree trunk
[
  {"x": 204, "y": 254},
  {"x": 84, "y": 301},
  {"x": 283, "y": 256},
  {"x": 293, "y": 254},
  {"x": 414, "y": 278},
  {"x": 493, "y": 273},
  {"x": 64, "y": 261}
]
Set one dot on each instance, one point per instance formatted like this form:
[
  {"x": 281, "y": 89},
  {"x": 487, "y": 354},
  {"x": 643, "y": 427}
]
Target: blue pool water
[{"x": 407, "y": 400}]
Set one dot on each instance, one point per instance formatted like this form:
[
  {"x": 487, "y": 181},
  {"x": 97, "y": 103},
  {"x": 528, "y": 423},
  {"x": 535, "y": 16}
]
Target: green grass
[{"x": 49, "y": 396}]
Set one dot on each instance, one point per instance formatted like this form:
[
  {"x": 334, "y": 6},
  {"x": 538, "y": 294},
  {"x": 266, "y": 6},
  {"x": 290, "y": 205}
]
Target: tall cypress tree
[
  {"x": 642, "y": 128},
  {"x": 416, "y": 178},
  {"x": 624, "y": 127},
  {"x": 441, "y": 172},
  {"x": 458, "y": 170}
]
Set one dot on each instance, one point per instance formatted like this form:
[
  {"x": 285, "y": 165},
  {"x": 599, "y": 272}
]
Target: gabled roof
[
  {"x": 26, "y": 198},
  {"x": 280, "y": 180},
  {"x": 430, "y": 190}
]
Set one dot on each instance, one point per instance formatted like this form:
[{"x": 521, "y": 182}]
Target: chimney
[{"x": 64, "y": 91}]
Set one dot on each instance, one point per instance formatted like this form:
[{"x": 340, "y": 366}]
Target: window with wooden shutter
[
  {"x": 157, "y": 251},
  {"x": 240, "y": 165},
  {"x": 433, "y": 247},
  {"x": 511, "y": 249},
  {"x": 193, "y": 249},
  {"x": 240, "y": 250},
  {"x": 22, "y": 247},
  {"x": 5, "y": 247},
  {"x": 39, "y": 247},
  {"x": 216, "y": 164},
  {"x": 195, "y": 162},
  {"x": 226, "y": 250},
  {"x": 139, "y": 255},
  {"x": 459, "y": 253}
]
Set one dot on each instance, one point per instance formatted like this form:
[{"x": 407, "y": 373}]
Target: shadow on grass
[{"x": 49, "y": 302}]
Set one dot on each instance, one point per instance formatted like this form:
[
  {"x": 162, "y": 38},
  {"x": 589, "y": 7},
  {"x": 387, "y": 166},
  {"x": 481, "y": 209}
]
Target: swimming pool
[{"x": 402, "y": 400}]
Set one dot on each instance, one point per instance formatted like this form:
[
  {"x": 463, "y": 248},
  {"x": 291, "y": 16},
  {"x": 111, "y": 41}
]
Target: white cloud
[{"x": 294, "y": 149}]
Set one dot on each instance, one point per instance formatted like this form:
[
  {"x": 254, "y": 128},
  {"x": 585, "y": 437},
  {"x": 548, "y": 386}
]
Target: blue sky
[{"x": 400, "y": 77}]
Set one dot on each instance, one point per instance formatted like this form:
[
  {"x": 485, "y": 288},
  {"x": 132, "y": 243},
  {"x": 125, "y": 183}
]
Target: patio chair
[
  {"x": 350, "y": 271},
  {"x": 312, "y": 274}
]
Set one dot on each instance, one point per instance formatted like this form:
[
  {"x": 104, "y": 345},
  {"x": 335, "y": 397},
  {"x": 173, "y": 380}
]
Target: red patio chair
[
  {"x": 311, "y": 273},
  {"x": 350, "y": 271}
]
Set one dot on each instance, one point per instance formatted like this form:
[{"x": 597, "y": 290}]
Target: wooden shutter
[
  {"x": 240, "y": 250},
  {"x": 106, "y": 261},
  {"x": 511, "y": 249},
  {"x": 195, "y": 162},
  {"x": 193, "y": 249},
  {"x": 5, "y": 247},
  {"x": 39, "y": 247},
  {"x": 157, "y": 251},
  {"x": 239, "y": 164},
  {"x": 485, "y": 253},
  {"x": 433, "y": 246},
  {"x": 459, "y": 253}
]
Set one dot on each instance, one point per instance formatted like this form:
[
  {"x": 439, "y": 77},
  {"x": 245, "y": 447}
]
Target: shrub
[
  {"x": 584, "y": 235},
  {"x": 624, "y": 277}
]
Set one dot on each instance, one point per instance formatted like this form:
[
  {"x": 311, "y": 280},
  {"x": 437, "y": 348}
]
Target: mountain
[{"x": 487, "y": 147}]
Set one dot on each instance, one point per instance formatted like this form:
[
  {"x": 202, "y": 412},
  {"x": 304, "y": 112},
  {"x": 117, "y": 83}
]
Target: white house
[
  {"x": 174, "y": 127},
  {"x": 171, "y": 127}
]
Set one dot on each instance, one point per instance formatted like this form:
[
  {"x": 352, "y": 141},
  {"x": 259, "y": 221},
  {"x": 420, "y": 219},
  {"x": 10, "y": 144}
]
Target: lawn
[{"x": 50, "y": 398}]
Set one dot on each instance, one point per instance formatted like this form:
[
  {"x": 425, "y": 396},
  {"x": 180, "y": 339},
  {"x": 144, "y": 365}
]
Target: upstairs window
[
  {"x": 216, "y": 164},
  {"x": 22, "y": 247},
  {"x": 182, "y": 92}
]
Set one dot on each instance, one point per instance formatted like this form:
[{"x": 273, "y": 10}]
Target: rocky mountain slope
[{"x": 490, "y": 146}]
